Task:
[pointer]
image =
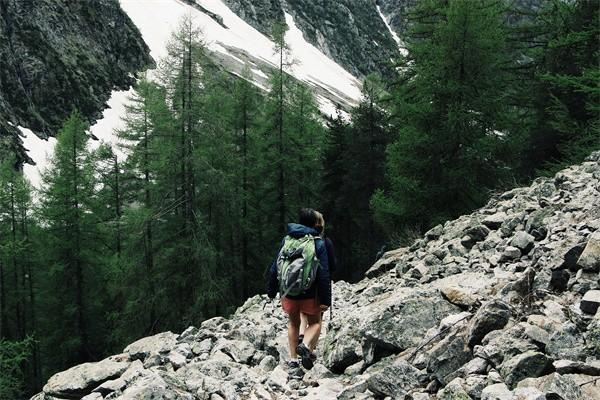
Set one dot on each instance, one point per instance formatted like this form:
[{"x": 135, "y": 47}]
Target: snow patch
[
  {"x": 399, "y": 41},
  {"x": 39, "y": 150}
]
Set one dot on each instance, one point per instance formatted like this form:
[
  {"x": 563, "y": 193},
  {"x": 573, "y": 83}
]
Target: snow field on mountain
[{"x": 157, "y": 19}]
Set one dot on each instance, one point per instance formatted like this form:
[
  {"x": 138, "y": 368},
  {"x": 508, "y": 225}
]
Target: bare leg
[
  {"x": 303, "y": 323},
  {"x": 293, "y": 331},
  {"x": 311, "y": 335}
]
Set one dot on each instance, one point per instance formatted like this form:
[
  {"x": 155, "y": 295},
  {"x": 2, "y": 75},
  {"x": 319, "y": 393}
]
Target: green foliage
[
  {"x": 452, "y": 115},
  {"x": 12, "y": 356},
  {"x": 354, "y": 169},
  {"x": 567, "y": 128}
]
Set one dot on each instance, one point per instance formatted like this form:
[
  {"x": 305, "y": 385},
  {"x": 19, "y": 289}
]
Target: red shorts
[{"x": 306, "y": 306}]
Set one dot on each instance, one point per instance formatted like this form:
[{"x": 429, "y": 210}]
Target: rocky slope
[
  {"x": 58, "y": 55},
  {"x": 499, "y": 304}
]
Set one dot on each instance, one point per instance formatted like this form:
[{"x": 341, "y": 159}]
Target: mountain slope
[
  {"x": 349, "y": 32},
  {"x": 498, "y": 304},
  {"x": 58, "y": 55},
  {"x": 232, "y": 44}
]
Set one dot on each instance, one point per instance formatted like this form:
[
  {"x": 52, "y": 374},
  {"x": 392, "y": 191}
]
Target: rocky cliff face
[
  {"x": 59, "y": 55},
  {"x": 350, "y": 32},
  {"x": 499, "y": 304}
]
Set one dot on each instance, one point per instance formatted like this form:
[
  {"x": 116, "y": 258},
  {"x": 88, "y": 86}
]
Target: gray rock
[
  {"x": 509, "y": 254},
  {"x": 453, "y": 391},
  {"x": 161, "y": 343},
  {"x": 205, "y": 346},
  {"x": 269, "y": 363},
  {"x": 590, "y": 302},
  {"x": 393, "y": 379},
  {"x": 318, "y": 372},
  {"x": 494, "y": 221},
  {"x": 92, "y": 396},
  {"x": 590, "y": 367},
  {"x": 525, "y": 365},
  {"x": 498, "y": 391},
  {"x": 386, "y": 263},
  {"x": 590, "y": 257},
  {"x": 593, "y": 335},
  {"x": 566, "y": 342},
  {"x": 555, "y": 386},
  {"x": 529, "y": 393},
  {"x": 475, "y": 384},
  {"x": 239, "y": 350},
  {"x": 342, "y": 346},
  {"x": 523, "y": 241},
  {"x": 415, "y": 312},
  {"x": 82, "y": 379},
  {"x": 492, "y": 315},
  {"x": 449, "y": 355},
  {"x": 501, "y": 345},
  {"x": 352, "y": 391},
  {"x": 434, "y": 233},
  {"x": 277, "y": 379},
  {"x": 536, "y": 225},
  {"x": 474, "y": 235},
  {"x": 523, "y": 285}
]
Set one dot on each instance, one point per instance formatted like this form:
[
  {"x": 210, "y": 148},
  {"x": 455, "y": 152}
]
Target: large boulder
[
  {"x": 449, "y": 355},
  {"x": 525, "y": 365},
  {"x": 493, "y": 315},
  {"x": 555, "y": 386},
  {"x": 161, "y": 343},
  {"x": 342, "y": 345},
  {"x": 393, "y": 378},
  {"x": 590, "y": 257},
  {"x": 401, "y": 320},
  {"x": 82, "y": 379},
  {"x": 523, "y": 241}
]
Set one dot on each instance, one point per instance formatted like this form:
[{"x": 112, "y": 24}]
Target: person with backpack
[
  {"x": 300, "y": 273},
  {"x": 332, "y": 262}
]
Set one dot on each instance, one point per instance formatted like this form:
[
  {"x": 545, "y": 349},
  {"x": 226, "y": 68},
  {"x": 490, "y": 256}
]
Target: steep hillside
[
  {"x": 58, "y": 55},
  {"x": 498, "y": 304},
  {"x": 349, "y": 32}
]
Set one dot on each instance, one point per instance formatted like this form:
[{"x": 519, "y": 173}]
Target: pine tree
[
  {"x": 565, "y": 95},
  {"x": 452, "y": 115},
  {"x": 74, "y": 280}
]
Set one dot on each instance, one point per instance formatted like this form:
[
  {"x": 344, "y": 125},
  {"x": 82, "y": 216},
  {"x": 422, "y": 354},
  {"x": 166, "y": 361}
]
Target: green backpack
[{"x": 297, "y": 265}]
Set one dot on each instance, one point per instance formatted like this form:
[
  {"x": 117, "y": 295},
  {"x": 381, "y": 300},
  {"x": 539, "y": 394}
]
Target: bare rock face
[
  {"x": 498, "y": 308},
  {"x": 77, "y": 52}
]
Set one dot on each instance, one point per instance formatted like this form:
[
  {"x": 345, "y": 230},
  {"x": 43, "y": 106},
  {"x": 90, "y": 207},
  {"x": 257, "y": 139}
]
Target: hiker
[
  {"x": 320, "y": 228},
  {"x": 298, "y": 256}
]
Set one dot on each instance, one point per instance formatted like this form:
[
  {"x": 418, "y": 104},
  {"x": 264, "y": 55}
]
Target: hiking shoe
[
  {"x": 294, "y": 371},
  {"x": 308, "y": 358}
]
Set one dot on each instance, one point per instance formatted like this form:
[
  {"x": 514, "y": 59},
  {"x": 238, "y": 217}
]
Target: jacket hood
[{"x": 297, "y": 230}]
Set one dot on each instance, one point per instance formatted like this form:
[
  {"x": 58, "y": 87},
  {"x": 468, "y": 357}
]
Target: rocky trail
[{"x": 499, "y": 304}]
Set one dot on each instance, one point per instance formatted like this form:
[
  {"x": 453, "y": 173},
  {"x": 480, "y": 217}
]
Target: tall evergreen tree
[
  {"x": 451, "y": 112},
  {"x": 564, "y": 90},
  {"x": 74, "y": 278}
]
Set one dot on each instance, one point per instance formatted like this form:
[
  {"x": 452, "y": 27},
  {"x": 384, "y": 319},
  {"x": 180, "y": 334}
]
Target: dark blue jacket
[{"x": 322, "y": 286}]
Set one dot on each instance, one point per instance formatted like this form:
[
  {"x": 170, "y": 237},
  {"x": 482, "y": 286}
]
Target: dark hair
[{"x": 307, "y": 217}]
